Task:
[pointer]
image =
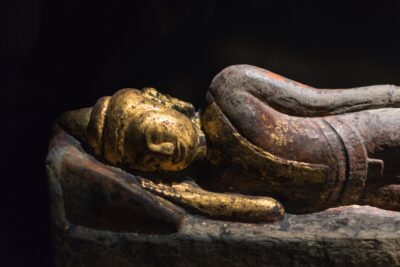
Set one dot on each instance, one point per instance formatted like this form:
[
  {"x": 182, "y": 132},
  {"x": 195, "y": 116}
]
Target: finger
[{"x": 231, "y": 207}]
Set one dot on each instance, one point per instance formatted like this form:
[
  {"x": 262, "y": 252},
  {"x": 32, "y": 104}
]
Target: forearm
[
  {"x": 312, "y": 102},
  {"x": 231, "y": 207},
  {"x": 296, "y": 99}
]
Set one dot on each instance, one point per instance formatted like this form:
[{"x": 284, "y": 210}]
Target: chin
[{"x": 180, "y": 166}]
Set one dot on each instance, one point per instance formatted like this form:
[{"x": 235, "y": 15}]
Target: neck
[{"x": 202, "y": 145}]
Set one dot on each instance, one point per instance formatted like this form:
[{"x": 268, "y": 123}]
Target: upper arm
[{"x": 294, "y": 98}]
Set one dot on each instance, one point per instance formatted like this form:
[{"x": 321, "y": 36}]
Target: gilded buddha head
[{"x": 140, "y": 130}]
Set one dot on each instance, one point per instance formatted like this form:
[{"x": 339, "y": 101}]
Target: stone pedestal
[{"x": 88, "y": 233}]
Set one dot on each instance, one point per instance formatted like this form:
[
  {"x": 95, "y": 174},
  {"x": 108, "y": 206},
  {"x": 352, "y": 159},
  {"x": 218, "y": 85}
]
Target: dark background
[{"x": 60, "y": 55}]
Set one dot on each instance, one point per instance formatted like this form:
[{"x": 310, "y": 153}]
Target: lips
[{"x": 179, "y": 153}]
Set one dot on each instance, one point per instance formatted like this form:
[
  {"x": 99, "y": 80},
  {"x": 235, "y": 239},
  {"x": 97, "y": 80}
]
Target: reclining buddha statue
[{"x": 260, "y": 140}]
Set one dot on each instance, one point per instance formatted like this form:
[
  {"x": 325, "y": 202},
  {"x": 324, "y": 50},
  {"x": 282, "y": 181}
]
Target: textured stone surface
[{"x": 87, "y": 233}]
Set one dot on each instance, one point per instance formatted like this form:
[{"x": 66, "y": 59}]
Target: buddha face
[
  {"x": 161, "y": 140},
  {"x": 137, "y": 130}
]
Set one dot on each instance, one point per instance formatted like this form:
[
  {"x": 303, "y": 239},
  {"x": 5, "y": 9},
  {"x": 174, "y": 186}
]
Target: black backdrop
[{"x": 61, "y": 55}]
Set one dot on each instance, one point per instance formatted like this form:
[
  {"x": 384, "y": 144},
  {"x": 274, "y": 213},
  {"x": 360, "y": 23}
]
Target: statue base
[{"x": 343, "y": 236}]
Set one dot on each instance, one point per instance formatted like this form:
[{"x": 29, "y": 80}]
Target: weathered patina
[
  {"x": 259, "y": 135},
  {"x": 101, "y": 216}
]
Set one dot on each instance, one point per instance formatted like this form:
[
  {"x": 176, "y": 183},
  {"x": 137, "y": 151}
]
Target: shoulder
[{"x": 239, "y": 78}]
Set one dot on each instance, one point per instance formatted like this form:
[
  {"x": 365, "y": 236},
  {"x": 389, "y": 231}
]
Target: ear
[{"x": 169, "y": 101}]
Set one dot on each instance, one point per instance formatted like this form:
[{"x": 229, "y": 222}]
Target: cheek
[
  {"x": 146, "y": 162},
  {"x": 169, "y": 166},
  {"x": 153, "y": 162},
  {"x": 161, "y": 163},
  {"x": 153, "y": 159}
]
